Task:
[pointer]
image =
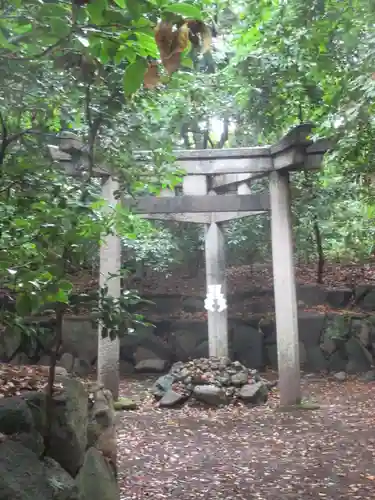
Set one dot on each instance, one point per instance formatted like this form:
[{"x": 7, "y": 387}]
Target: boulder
[
  {"x": 20, "y": 359},
  {"x": 362, "y": 330},
  {"x": 193, "y": 304},
  {"x": 339, "y": 297},
  {"x": 337, "y": 362},
  {"x": 359, "y": 358},
  {"x": 210, "y": 394},
  {"x": 81, "y": 367},
  {"x": 36, "y": 402},
  {"x": 254, "y": 393},
  {"x": 60, "y": 482},
  {"x": 271, "y": 351},
  {"x": 68, "y": 438},
  {"x": 186, "y": 342},
  {"x": 101, "y": 431},
  {"x": 153, "y": 344},
  {"x": 201, "y": 350},
  {"x": 15, "y": 416},
  {"x": 96, "y": 479},
  {"x": 23, "y": 475},
  {"x": 247, "y": 345},
  {"x": 367, "y": 297},
  {"x": 302, "y": 354},
  {"x": 31, "y": 440},
  {"x": 151, "y": 366},
  {"x": 311, "y": 326},
  {"x": 316, "y": 361},
  {"x": 311, "y": 295},
  {"x": 80, "y": 338},
  {"x": 126, "y": 368},
  {"x": 66, "y": 361},
  {"x": 9, "y": 343}
]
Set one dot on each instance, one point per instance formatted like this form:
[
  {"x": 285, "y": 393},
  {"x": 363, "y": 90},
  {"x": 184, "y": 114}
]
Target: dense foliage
[{"x": 232, "y": 74}]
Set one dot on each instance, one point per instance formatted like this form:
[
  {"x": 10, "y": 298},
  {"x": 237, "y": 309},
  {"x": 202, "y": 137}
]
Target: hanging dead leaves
[{"x": 174, "y": 40}]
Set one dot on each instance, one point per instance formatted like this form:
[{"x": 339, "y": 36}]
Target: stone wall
[
  {"x": 79, "y": 464},
  {"x": 334, "y": 341}
]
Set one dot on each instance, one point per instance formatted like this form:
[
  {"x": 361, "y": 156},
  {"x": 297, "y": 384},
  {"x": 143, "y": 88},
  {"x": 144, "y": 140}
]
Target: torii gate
[{"x": 208, "y": 173}]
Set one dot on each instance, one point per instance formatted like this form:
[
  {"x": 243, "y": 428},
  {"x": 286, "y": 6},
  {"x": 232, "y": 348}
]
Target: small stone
[
  {"x": 162, "y": 385},
  {"x": 172, "y": 398},
  {"x": 340, "y": 376},
  {"x": 124, "y": 404},
  {"x": 369, "y": 376},
  {"x": 254, "y": 393},
  {"x": 239, "y": 379},
  {"x": 210, "y": 394}
]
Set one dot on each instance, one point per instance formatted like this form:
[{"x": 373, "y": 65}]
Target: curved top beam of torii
[{"x": 223, "y": 168}]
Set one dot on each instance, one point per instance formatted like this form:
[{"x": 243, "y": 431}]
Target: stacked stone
[
  {"x": 213, "y": 381},
  {"x": 79, "y": 463}
]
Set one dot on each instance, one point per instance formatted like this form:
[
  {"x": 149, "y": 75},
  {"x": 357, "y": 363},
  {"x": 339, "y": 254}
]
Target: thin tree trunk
[
  {"x": 319, "y": 248},
  {"x": 51, "y": 375}
]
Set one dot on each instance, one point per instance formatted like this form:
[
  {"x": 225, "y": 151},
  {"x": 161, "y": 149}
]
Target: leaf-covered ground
[
  {"x": 240, "y": 278},
  {"x": 251, "y": 453}
]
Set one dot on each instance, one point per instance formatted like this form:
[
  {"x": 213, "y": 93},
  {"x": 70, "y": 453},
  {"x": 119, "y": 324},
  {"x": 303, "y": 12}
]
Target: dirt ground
[{"x": 251, "y": 453}]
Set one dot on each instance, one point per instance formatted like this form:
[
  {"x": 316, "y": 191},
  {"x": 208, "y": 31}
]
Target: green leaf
[
  {"x": 134, "y": 76},
  {"x": 187, "y": 62},
  {"x": 134, "y": 8},
  {"x": 66, "y": 286},
  {"x": 96, "y": 10},
  {"x": 148, "y": 43},
  {"x": 184, "y": 10},
  {"x": 120, "y": 3}
]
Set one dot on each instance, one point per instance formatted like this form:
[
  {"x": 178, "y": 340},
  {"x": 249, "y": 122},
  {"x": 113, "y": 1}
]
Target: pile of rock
[
  {"x": 213, "y": 381},
  {"x": 79, "y": 462}
]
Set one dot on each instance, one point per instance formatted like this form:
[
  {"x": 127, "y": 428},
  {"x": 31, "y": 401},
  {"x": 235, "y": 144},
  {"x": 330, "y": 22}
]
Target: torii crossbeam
[{"x": 209, "y": 173}]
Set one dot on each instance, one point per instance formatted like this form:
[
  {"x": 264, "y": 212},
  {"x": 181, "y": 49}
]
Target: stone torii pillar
[
  {"x": 110, "y": 266},
  {"x": 216, "y": 302},
  {"x": 284, "y": 289}
]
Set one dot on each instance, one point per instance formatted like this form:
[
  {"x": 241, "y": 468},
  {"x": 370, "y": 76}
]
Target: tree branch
[
  {"x": 4, "y": 138},
  {"x": 224, "y": 135}
]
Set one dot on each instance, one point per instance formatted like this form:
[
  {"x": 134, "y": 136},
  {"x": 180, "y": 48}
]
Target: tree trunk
[{"x": 319, "y": 248}]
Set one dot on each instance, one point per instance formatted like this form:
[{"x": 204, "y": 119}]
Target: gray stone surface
[
  {"x": 60, "y": 482},
  {"x": 69, "y": 426},
  {"x": 172, "y": 398},
  {"x": 31, "y": 440},
  {"x": 340, "y": 376},
  {"x": 151, "y": 365},
  {"x": 210, "y": 394},
  {"x": 15, "y": 416},
  {"x": 96, "y": 479},
  {"x": 80, "y": 338},
  {"x": 254, "y": 393},
  {"x": 248, "y": 346},
  {"x": 23, "y": 476},
  {"x": 9, "y": 343},
  {"x": 162, "y": 385},
  {"x": 66, "y": 361},
  {"x": 359, "y": 358},
  {"x": 311, "y": 327},
  {"x": 316, "y": 361}
]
